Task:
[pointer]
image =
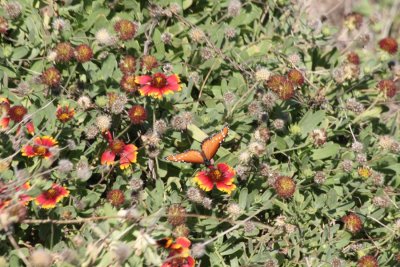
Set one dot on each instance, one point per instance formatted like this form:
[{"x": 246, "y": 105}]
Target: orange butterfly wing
[
  {"x": 211, "y": 144},
  {"x": 189, "y": 156}
]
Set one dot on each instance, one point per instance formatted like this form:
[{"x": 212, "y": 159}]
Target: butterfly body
[{"x": 209, "y": 148}]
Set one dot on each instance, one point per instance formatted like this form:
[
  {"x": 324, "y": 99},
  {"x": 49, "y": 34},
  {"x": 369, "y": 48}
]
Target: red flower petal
[
  {"x": 48, "y": 141},
  {"x": 144, "y": 79},
  {"x": 4, "y": 122},
  {"x": 225, "y": 187},
  {"x": 128, "y": 156},
  {"x": 204, "y": 181},
  {"x": 28, "y": 151},
  {"x": 108, "y": 157},
  {"x": 30, "y": 128},
  {"x": 190, "y": 261},
  {"x": 173, "y": 79},
  {"x": 183, "y": 241}
]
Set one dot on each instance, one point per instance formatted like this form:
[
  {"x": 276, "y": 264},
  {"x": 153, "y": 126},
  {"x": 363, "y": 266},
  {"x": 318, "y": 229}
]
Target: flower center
[
  {"x": 51, "y": 193},
  {"x": 117, "y": 146},
  {"x": 216, "y": 174},
  {"x": 138, "y": 112},
  {"x": 39, "y": 150},
  {"x": 159, "y": 80},
  {"x": 63, "y": 116},
  {"x": 17, "y": 113}
]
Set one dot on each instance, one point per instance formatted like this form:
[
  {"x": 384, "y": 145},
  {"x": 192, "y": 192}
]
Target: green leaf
[{"x": 329, "y": 150}]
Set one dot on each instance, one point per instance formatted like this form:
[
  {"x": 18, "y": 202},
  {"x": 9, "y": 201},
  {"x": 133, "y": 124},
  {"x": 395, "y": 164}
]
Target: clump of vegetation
[{"x": 198, "y": 133}]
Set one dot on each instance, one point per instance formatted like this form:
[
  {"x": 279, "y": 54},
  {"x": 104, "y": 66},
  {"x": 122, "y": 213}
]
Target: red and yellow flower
[
  {"x": 158, "y": 84},
  {"x": 23, "y": 198},
  {"x": 65, "y": 113},
  {"x": 15, "y": 113},
  {"x": 179, "y": 255},
  {"x": 127, "y": 153},
  {"x": 49, "y": 198},
  {"x": 222, "y": 177},
  {"x": 40, "y": 148}
]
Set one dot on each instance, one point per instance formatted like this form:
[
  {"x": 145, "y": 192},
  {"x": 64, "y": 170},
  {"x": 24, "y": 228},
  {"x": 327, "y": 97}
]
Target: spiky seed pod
[
  {"x": 257, "y": 148},
  {"x": 136, "y": 184},
  {"x": 285, "y": 186},
  {"x": 249, "y": 227},
  {"x": 278, "y": 124},
  {"x": 385, "y": 142},
  {"x": 117, "y": 103},
  {"x": 274, "y": 82},
  {"x": 388, "y": 87},
  {"x": 126, "y": 29},
  {"x": 65, "y": 52},
  {"x": 127, "y": 65},
  {"x": 51, "y": 77},
  {"x": 295, "y": 77},
  {"x": 198, "y": 250},
  {"x": 229, "y": 98},
  {"x": 381, "y": 201},
  {"x": 65, "y": 166},
  {"x": 357, "y": 147},
  {"x": 176, "y": 215},
  {"x": 294, "y": 59},
  {"x": 59, "y": 24},
  {"x": 352, "y": 223},
  {"x": 84, "y": 102},
  {"x": 91, "y": 132},
  {"x": 83, "y": 53},
  {"x": 389, "y": 45},
  {"x": 361, "y": 158},
  {"x": 286, "y": 90},
  {"x": 207, "y": 203},
  {"x": 367, "y": 261},
  {"x": 128, "y": 83},
  {"x": 254, "y": 108},
  {"x": 116, "y": 197},
  {"x": 353, "y": 58}
]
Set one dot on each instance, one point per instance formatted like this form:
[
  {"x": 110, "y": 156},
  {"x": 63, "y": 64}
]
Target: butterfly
[{"x": 209, "y": 148}]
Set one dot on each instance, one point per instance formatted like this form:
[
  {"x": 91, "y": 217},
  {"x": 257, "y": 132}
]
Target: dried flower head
[
  {"x": 176, "y": 215},
  {"x": 121, "y": 252},
  {"x": 41, "y": 258},
  {"x": 353, "y": 58},
  {"x": 254, "y": 108},
  {"x": 116, "y": 197},
  {"x": 127, "y": 65},
  {"x": 234, "y": 8},
  {"x": 207, "y": 203},
  {"x": 347, "y": 165},
  {"x": 319, "y": 177},
  {"x": 103, "y": 122},
  {"x": 91, "y": 132},
  {"x": 195, "y": 195},
  {"x": 160, "y": 127},
  {"x": 388, "y": 87},
  {"x": 83, "y": 53},
  {"x": 257, "y": 148},
  {"x": 361, "y": 158},
  {"x": 166, "y": 38},
  {"x": 13, "y": 9},
  {"x": 285, "y": 186},
  {"x": 84, "y": 102},
  {"x": 262, "y": 75},
  {"x": 367, "y": 261},
  {"x": 294, "y": 59},
  {"x": 353, "y": 21},
  {"x": 60, "y": 24},
  {"x": 278, "y": 124},
  {"x": 295, "y": 77},
  {"x": 136, "y": 184},
  {"x": 234, "y": 210},
  {"x": 103, "y": 37},
  {"x": 83, "y": 171},
  {"x": 198, "y": 250},
  {"x": 65, "y": 166},
  {"x": 318, "y": 137},
  {"x": 352, "y": 223},
  {"x": 381, "y": 201},
  {"x": 149, "y": 62},
  {"x": 197, "y": 35},
  {"x": 51, "y": 77},
  {"x": 206, "y": 53},
  {"x": 357, "y": 147},
  {"x": 126, "y": 29},
  {"x": 353, "y": 105},
  {"x": 230, "y": 33},
  {"x": 65, "y": 52},
  {"x": 229, "y": 98},
  {"x": 129, "y": 84},
  {"x": 389, "y": 45}
]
